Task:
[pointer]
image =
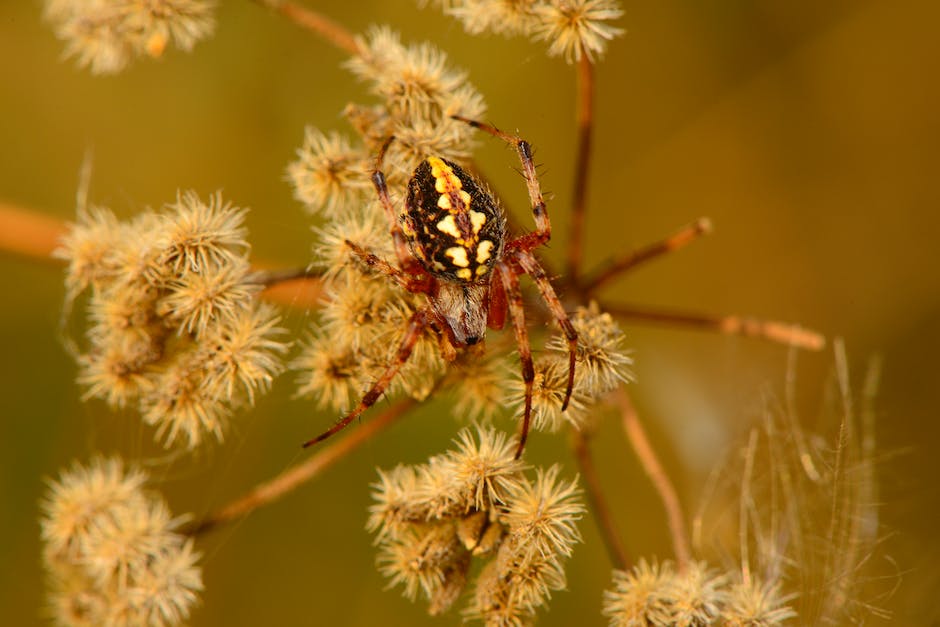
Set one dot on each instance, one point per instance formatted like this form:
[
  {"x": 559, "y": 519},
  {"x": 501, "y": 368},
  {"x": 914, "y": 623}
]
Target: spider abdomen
[{"x": 454, "y": 226}]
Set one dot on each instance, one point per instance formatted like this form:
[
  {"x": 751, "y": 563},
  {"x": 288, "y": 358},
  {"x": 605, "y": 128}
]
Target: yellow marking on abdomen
[
  {"x": 458, "y": 255},
  {"x": 444, "y": 178},
  {"x": 449, "y": 226},
  {"x": 484, "y": 250},
  {"x": 477, "y": 219}
]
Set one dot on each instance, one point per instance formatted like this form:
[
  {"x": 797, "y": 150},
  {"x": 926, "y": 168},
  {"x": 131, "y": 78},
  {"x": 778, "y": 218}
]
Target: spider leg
[
  {"x": 404, "y": 280},
  {"x": 533, "y": 268},
  {"x": 521, "y": 247},
  {"x": 405, "y": 260},
  {"x": 510, "y": 282},
  {"x": 418, "y": 322},
  {"x": 543, "y": 227}
]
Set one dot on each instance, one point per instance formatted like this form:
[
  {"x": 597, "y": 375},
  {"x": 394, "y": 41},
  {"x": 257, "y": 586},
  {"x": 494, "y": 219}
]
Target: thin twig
[
  {"x": 585, "y": 121},
  {"x": 270, "y": 278},
  {"x": 316, "y": 23},
  {"x": 605, "y": 522},
  {"x": 281, "y": 485},
  {"x": 654, "y": 469},
  {"x": 617, "y": 266},
  {"x": 29, "y": 233},
  {"x": 780, "y": 332}
]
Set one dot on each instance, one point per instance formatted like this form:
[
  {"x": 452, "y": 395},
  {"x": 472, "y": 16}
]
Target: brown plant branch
[
  {"x": 585, "y": 122},
  {"x": 292, "y": 478},
  {"x": 617, "y": 266},
  {"x": 654, "y": 469},
  {"x": 28, "y": 233},
  {"x": 33, "y": 235},
  {"x": 780, "y": 332},
  {"x": 316, "y": 23},
  {"x": 605, "y": 522}
]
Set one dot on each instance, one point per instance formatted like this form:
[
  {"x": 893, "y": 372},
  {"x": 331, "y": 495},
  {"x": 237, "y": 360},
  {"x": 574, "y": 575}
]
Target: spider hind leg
[{"x": 416, "y": 326}]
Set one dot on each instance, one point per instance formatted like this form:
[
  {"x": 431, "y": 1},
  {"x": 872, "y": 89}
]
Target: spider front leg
[
  {"x": 520, "y": 248},
  {"x": 416, "y": 325},
  {"x": 543, "y": 227},
  {"x": 405, "y": 261}
]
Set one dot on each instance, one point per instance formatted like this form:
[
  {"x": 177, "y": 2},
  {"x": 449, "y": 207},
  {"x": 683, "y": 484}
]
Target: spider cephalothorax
[{"x": 451, "y": 245}]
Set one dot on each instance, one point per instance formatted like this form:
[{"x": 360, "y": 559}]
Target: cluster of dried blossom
[
  {"x": 112, "y": 551},
  {"x": 174, "y": 324},
  {"x": 658, "y": 595},
  {"x": 175, "y": 329},
  {"x": 106, "y": 35},
  {"x": 573, "y": 28},
  {"x": 433, "y": 519}
]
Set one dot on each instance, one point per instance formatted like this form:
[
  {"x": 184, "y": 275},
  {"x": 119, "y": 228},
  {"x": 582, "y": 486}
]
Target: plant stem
[
  {"x": 605, "y": 523},
  {"x": 28, "y": 233},
  {"x": 654, "y": 470},
  {"x": 292, "y": 478},
  {"x": 585, "y": 121},
  {"x": 780, "y": 332},
  {"x": 617, "y": 266},
  {"x": 316, "y": 23}
]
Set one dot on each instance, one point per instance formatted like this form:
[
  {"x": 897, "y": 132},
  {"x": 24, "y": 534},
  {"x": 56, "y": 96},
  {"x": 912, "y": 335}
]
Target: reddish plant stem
[
  {"x": 289, "y": 480},
  {"x": 605, "y": 522},
  {"x": 780, "y": 332},
  {"x": 316, "y": 23},
  {"x": 619, "y": 265},
  {"x": 582, "y": 166},
  {"x": 654, "y": 470},
  {"x": 28, "y": 233}
]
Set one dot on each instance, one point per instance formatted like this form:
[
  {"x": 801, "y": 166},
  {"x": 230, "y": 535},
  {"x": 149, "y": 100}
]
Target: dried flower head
[
  {"x": 485, "y": 468},
  {"x": 86, "y": 248},
  {"x": 573, "y": 28},
  {"x": 420, "y": 93},
  {"x": 757, "y": 604},
  {"x": 112, "y": 550},
  {"x": 329, "y": 175},
  {"x": 603, "y": 360},
  {"x": 175, "y": 326},
  {"x": 431, "y": 520},
  {"x": 477, "y": 387},
  {"x": 502, "y": 17},
  {"x": 699, "y": 595},
  {"x": 577, "y": 27},
  {"x": 642, "y": 596},
  {"x": 541, "y": 515},
  {"x": 201, "y": 235},
  {"x": 105, "y": 35}
]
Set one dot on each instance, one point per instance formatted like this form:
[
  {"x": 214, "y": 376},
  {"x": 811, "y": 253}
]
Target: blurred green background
[{"x": 808, "y": 132}]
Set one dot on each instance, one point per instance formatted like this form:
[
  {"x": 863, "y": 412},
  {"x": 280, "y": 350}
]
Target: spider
[{"x": 452, "y": 245}]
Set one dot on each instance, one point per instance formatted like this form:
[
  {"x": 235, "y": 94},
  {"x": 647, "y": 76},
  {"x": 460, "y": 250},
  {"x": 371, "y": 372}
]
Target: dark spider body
[
  {"x": 451, "y": 245},
  {"x": 456, "y": 230}
]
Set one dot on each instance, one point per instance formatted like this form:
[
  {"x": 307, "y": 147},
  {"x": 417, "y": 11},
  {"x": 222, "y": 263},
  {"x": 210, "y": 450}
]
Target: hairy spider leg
[
  {"x": 416, "y": 326},
  {"x": 532, "y": 267},
  {"x": 405, "y": 259},
  {"x": 510, "y": 281},
  {"x": 529, "y": 241}
]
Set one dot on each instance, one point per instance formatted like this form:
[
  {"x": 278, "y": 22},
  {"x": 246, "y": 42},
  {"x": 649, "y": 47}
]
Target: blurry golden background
[{"x": 807, "y": 131}]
